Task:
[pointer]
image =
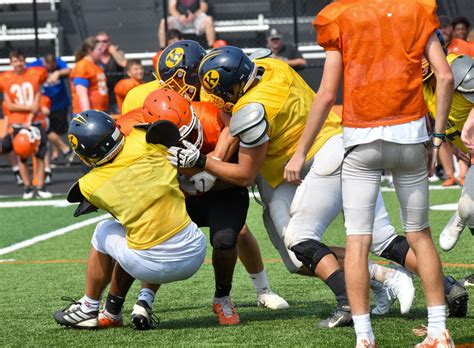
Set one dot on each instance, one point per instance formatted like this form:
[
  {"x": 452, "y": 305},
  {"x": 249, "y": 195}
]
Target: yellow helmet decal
[
  {"x": 79, "y": 118},
  {"x": 73, "y": 141},
  {"x": 174, "y": 57},
  {"x": 211, "y": 79}
]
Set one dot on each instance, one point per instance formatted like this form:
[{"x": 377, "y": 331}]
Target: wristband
[
  {"x": 435, "y": 147},
  {"x": 201, "y": 161},
  {"x": 441, "y": 136}
]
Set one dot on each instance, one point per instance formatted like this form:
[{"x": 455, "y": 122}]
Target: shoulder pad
[
  {"x": 461, "y": 67},
  {"x": 249, "y": 123},
  {"x": 75, "y": 196},
  {"x": 260, "y": 53}
]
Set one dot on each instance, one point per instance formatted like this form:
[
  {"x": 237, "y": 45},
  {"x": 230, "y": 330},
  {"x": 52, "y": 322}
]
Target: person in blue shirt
[{"x": 55, "y": 88}]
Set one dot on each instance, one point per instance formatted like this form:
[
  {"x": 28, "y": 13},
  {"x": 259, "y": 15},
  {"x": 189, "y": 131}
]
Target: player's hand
[
  {"x": 203, "y": 181},
  {"x": 53, "y": 77},
  {"x": 185, "y": 157},
  {"x": 467, "y": 135},
  {"x": 186, "y": 185},
  {"x": 431, "y": 156},
  {"x": 292, "y": 172}
]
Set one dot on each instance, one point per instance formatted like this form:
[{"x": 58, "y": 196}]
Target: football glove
[
  {"x": 188, "y": 157},
  {"x": 203, "y": 181}
]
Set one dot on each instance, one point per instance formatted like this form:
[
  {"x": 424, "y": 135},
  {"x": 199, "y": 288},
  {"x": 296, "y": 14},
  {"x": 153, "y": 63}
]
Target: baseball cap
[{"x": 274, "y": 34}]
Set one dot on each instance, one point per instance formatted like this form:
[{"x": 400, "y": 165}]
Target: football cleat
[
  {"x": 225, "y": 311},
  {"x": 364, "y": 343},
  {"x": 456, "y": 297},
  {"x": 469, "y": 281},
  {"x": 451, "y": 232},
  {"x": 449, "y": 182},
  {"x": 340, "y": 317},
  {"x": 73, "y": 316},
  {"x": 400, "y": 283},
  {"x": 384, "y": 298},
  {"x": 107, "y": 320},
  {"x": 28, "y": 193},
  {"x": 48, "y": 178},
  {"x": 142, "y": 316},
  {"x": 267, "y": 298},
  {"x": 444, "y": 341},
  {"x": 42, "y": 193},
  {"x": 18, "y": 179}
]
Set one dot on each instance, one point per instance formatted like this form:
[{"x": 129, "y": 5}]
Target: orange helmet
[
  {"x": 26, "y": 142},
  {"x": 166, "y": 104},
  {"x": 219, "y": 43}
]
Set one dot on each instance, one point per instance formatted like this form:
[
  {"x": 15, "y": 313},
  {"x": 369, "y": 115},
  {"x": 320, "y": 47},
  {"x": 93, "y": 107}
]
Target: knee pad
[
  {"x": 224, "y": 239},
  {"x": 311, "y": 252},
  {"x": 397, "y": 250}
]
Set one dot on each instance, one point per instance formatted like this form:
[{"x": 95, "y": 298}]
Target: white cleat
[
  {"x": 267, "y": 298},
  {"x": 451, "y": 233},
  {"x": 384, "y": 298},
  {"x": 400, "y": 283}
]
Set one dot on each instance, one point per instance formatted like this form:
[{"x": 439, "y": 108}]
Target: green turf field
[{"x": 32, "y": 286}]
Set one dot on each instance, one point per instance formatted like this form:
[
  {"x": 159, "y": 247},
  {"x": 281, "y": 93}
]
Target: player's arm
[
  {"x": 467, "y": 135},
  {"x": 15, "y": 107},
  {"x": 322, "y": 104},
  {"x": 83, "y": 96}
]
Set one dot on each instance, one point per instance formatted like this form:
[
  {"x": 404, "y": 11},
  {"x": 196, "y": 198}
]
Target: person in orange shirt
[
  {"x": 22, "y": 91},
  {"x": 135, "y": 74},
  {"x": 384, "y": 127},
  {"x": 88, "y": 81}
]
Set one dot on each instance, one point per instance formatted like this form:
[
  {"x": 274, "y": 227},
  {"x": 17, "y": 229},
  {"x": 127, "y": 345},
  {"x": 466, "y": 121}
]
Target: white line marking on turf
[
  {"x": 449, "y": 207},
  {"x": 7, "y": 260},
  {"x": 21, "y": 204},
  {"x": 52, "y": 234}
]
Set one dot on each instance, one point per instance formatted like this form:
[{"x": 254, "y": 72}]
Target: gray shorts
[
  {"x": 361, "y": 173},
  {"x": 197, "y": 25}
]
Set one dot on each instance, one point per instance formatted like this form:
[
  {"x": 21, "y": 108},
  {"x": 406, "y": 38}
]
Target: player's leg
[
  {"x": 251, "y": 258},
  {"x": 40, "y": 155}
]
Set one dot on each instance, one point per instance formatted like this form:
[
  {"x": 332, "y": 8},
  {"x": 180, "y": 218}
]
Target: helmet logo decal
[
  {"x": 174, "y": 57},
  {"x": 211, "y": 79},
  {"x": 73, "y": 141},
  {"x": 79, "y": 118}
]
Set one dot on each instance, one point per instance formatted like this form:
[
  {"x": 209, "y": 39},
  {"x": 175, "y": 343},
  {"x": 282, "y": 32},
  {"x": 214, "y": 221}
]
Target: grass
[{"x": 31, "y": 289}]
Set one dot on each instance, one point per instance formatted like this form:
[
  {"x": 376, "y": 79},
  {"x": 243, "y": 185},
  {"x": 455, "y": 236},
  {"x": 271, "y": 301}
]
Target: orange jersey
[
  {"x": 122, "y": 88},
  {"x": 21, "y": 89},
  {"x": 126, "y": 121},
  {"x": 382, "y": 43},
  {"x": 459, "y": 46},
  {"x": 91, "y": 76},
  {"x": 155, "y": 59},
  {"x": 45, "y": 102}
]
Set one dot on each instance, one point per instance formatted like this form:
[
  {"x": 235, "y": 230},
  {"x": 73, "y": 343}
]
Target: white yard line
[
  {"x": 45, "y": 203},
  {"x": 52, "y": 234}
]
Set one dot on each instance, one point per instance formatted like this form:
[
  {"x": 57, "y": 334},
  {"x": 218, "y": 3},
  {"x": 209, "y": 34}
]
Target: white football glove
[
  {"x": 186, "y": 185},
  {"x": 185, "y": 158},
  {"x": 203, "y": 181}
]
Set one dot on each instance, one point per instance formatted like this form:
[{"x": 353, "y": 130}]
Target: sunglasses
[
  {"x": 103, "y": 41},
  {"x": 275, "y": 39}
]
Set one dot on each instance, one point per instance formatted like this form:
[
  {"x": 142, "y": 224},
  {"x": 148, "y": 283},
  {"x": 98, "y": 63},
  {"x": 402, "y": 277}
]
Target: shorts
[
  {"x": 177, "y": 258},
  {"x": 197, "y": 25},
  {"x": 58, "y": 122}
]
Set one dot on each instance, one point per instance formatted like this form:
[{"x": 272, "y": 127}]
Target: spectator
[
  {"x": 284, "y": 51},
  {"x": 461, "y": 27},
  {"x": 135, "y": 73},
  {"x": 186, "y": 15},
  {"x": 22, "y": 92},
  {"x": 113, "y": 62},
  {"x": 446, "y": 28},
  {"x": 172, "y": 36},
  {"x": 88, "y": 81},
  {"x": 55, "y": 89}
]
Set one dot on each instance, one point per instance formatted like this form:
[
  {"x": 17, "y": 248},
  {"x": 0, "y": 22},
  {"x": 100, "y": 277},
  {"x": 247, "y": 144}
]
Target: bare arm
[
  {"x": 467, "y": 135},
  {"x": 12, "y": 107},
  {"x": 118, "y": 55},
  {"x": 242, "y": 173},
  {"x": 203, "y": 7},
  {"x": 322, "y": 104},
  {"x": 172, "y": 9},
  {"x": 83, "y": 95}
]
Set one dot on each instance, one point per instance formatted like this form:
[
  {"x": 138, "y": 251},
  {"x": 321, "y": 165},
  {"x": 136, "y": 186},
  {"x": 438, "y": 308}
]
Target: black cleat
[
  {"x": 340, "y": 317},
  {"x": 142, "y": 316},
  {"x": 73, "y": 316},
  {"x": 456, "y": 297},
  {"x": 469, "y": 281}
]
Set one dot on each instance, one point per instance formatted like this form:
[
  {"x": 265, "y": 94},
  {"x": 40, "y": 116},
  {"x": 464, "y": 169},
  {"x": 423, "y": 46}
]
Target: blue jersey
[{"x": 57, "y": 91}]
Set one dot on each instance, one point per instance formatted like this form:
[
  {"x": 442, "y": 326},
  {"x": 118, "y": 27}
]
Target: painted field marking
[
  {"x": 448, "y": 207},
  {"x": 52, "y": 234},
  {"x": 49, "y": 203}
]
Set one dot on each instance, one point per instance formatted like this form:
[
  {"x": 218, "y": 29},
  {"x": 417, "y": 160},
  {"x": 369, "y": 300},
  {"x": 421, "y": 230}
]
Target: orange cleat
[
  {"x": 449, "y": 182},
  {"x": 107, "y": 320},
  {"x": 444, "y": 341},
  {"x": 225, "y": 311},
  {"x": 461, "y": 181}
]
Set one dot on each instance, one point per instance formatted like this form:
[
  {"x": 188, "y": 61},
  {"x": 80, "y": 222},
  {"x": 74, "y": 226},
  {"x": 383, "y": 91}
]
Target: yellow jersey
[
  {"x": 139, "y": 188},
  {"x": 287, "y": 100},
  {"x": 137, "y": 95},
  {"x": 460, "y": 109}
]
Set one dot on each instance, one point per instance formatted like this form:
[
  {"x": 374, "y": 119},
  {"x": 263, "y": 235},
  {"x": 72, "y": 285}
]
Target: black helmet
[
  {"x": 95, "y": 137},
  {"x": 178, "y": 67},
  {"x": 226, "y": 73}
]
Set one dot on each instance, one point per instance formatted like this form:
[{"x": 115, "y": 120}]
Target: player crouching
[{"x": 131, "y": 178}]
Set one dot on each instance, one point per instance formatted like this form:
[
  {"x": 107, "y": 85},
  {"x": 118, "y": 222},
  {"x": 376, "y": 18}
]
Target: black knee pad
[
  {"x": 310, "y": 253},
  {"x": 6, "y": 144},
  {"x": 397, "y": 250},
  {"x": 224, "y": 239}
]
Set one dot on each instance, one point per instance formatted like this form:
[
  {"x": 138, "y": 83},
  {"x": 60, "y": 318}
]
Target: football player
[
  {"x": 268, "y": 131},
  {"x": 153, "y": 239}
]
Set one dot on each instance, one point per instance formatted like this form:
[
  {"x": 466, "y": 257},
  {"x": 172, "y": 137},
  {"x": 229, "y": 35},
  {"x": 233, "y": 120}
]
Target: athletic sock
[
  {"x": 88, "y": 304},
  {"x": 259, "y": 281},
  {"x": 222, "y": 290},
  {"x": 147, "y": 295},
  {"x": 337, "y": 285},
  {"x": 436, "y": 320},
  {"x": 114, "y": 304},
  {"x": 363, "y": 328}
]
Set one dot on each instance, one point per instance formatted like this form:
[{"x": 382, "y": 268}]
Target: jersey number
[
  {"x": 102, "y": 84},
  {"x": 24, "y": 93}
]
